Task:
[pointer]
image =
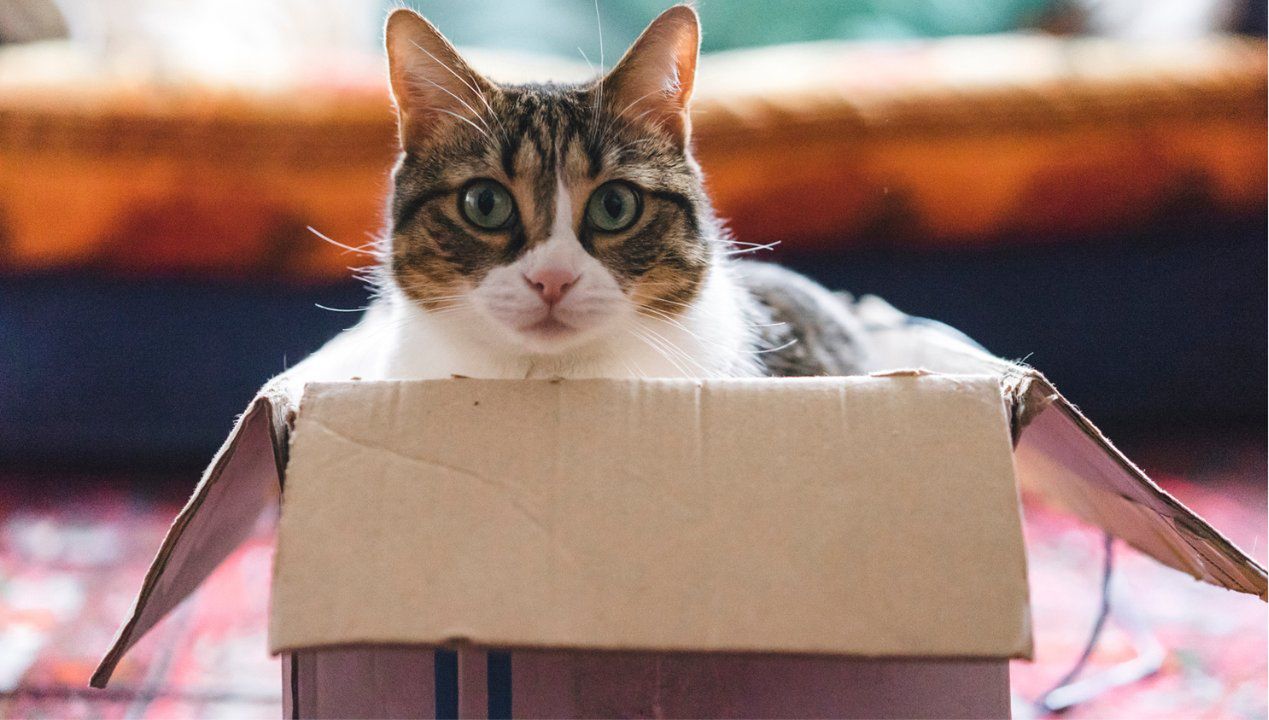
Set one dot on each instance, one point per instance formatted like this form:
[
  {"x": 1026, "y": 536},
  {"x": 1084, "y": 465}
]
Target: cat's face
[{"x": 547, "y": 215}]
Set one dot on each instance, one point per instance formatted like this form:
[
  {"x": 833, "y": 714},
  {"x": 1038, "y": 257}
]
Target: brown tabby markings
[{"x": 537, "y": 132}]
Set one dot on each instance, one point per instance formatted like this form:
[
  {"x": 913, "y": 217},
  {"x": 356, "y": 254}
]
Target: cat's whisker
[
  {"x": 447, "y": 310},
  {"x": 487, "y": 131},
  {"x": 453, "y": 296},
  {"x": 431, "y": 303},
  {"x": 428, "y": 303},
  {"x": 599, "y": 27},
  {"x": 612, "y": 120},
  {"x": 617, "y": 148},
  {"x": 697, "y": 310},
  {"x": 441, "y": 306},
  {"x": 778, "y": 348},
  {"x": 364, "y": 273},
  {"x": 665, "y": 317},
  {"x": 633, "y": 368},
  {"x": 654, "y": 314},
  {"x": 506, "y": 138},
  {"x": 629, "y": 370},
  {"x": 444, "y": 298},
  {"x": 638, "y": 100},
  {"x": 676, "y": 349},
  {"x": 648, "y": 341},
  {"x": 645, "y": 286},
  {"x": 451, "y": 113},
  {"x": 349, "y": 248},
  {"x": 635, "y": 120},
  {"x": 469, "y": 86},
  {"x": 747, "y": 247},
  {"x": 699, "y": 338}
]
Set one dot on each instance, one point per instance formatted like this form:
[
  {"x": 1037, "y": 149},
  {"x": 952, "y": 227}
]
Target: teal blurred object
[{"x": 569, "y": 27}]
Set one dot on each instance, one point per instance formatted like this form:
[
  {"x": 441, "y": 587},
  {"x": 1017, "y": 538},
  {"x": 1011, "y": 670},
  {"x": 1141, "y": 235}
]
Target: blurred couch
[{"x": 1094, "y": 206}]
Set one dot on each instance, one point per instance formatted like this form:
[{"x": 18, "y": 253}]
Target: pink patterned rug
[{"x": 73, "y": 551}]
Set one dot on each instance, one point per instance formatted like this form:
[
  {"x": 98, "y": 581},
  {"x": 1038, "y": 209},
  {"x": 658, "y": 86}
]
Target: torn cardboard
[{"x": 606, "y": 530}]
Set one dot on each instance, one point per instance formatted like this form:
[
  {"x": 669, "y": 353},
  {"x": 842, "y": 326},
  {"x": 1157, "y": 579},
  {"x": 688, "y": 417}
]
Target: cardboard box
[{"x": 847, "y": 547}]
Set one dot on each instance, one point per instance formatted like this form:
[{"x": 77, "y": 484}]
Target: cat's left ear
[{"x": 653, "y": 81}]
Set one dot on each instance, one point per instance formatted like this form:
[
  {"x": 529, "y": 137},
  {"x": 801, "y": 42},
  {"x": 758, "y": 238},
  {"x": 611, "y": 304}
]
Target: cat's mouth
[{"x": 549, "y": 328}]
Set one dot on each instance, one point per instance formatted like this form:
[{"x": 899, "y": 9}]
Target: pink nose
[{"x": 551, "y": 283}]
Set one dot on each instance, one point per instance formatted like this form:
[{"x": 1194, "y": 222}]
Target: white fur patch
[{"x": 483, "y": 336}]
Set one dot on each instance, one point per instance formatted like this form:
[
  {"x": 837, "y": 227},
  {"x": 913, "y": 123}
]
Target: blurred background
[{"x": 1077, "y": 183}]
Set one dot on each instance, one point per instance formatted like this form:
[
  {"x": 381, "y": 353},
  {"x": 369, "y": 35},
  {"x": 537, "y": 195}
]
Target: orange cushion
[{"x": 825, "y": 147}]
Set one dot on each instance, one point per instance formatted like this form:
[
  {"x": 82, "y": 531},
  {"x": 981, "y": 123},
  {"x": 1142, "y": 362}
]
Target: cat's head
[{"x": 547, "y": 216}]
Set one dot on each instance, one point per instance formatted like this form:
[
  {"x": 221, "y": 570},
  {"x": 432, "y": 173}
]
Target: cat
[{"x": 564, "y": 231}]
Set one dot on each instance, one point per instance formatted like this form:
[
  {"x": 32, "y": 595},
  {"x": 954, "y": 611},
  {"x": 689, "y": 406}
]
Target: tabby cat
[{"x": 564, "y": 230}]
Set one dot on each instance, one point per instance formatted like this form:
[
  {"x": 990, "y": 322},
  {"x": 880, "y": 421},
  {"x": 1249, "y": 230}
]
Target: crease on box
[
  {"x": 1059, "y": 455},
  {"x": 242, "y": 481}
]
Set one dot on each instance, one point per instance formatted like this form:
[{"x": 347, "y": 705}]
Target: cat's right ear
[{"x": 433, "y": 87}]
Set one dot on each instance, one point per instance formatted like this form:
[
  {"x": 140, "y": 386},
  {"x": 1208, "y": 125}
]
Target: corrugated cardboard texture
[
  {"x": 1065, "y": 459},
  {"x": 866, "y": 516}
]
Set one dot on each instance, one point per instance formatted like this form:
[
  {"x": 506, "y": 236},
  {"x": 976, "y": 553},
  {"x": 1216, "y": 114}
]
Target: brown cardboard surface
[
  {"x": 871, "y": 516},
  {"x": 243, "y": 479},
  {"x": 1065, "y": 459},
  {"x": 865, "y": 516}
]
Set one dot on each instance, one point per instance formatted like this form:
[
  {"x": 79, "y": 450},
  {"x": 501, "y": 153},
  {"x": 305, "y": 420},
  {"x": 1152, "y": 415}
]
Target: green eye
[
  {"x": 613, "y": 207},
  {"x": 486, "y": 204}
]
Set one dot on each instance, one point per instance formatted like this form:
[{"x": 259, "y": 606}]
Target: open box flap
[
  {"x": 1066, "y": 460},
  {"x": 1062, "y": 457},
  {"x": 243, "y": 479},
  {"x": 871, "y": 516}
]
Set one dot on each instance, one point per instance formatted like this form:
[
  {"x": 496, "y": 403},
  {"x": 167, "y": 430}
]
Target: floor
[{"x": 73, "y": 550}]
